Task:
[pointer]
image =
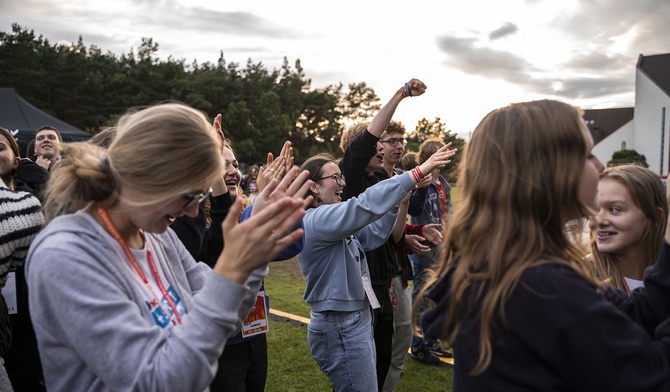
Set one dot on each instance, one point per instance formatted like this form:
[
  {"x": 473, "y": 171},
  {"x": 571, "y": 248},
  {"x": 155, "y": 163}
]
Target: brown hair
[
  {"x": 314, "y": 166},
  {"x": 408, "y": 161},
  {"x": 519, "y": 183},
  {"x": 50, "y": 128},
  {"x": 394, "y": 127},
  {"x": 428, "y": 148}
]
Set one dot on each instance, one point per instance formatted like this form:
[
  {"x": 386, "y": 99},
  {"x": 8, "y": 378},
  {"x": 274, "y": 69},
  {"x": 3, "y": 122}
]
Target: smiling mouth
[{"x": 603, "y": 234}]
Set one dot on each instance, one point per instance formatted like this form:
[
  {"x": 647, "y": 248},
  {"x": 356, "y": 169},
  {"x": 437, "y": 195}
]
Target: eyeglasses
[
  {"x": 394, "y": 141},
  {"x": 197, "y": 198},
  {"x": 339, "y": 178}
]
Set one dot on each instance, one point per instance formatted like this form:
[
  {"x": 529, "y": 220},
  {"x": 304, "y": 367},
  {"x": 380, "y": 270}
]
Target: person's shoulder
[
  {"x": 549, "y": 277},
  {"x": 15, "y": 203}
]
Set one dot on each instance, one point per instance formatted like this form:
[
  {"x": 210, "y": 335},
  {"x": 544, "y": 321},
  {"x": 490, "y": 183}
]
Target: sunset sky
[{"x": 474, "y": 55}]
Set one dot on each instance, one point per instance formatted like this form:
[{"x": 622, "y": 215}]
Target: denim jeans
[{"x": 343, "y": 346}]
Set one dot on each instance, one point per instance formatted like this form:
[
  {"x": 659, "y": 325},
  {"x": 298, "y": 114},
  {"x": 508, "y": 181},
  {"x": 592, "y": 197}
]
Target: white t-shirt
[{"x": 633, "y": 283}]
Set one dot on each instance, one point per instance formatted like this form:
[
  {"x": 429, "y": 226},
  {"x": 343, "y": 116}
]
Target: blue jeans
[{"x": 343, "y": 346}]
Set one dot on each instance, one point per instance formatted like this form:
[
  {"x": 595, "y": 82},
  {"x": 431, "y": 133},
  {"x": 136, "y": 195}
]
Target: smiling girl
[
  {"x": 117, "y": 301},
  {"x": 333, "y": 261},
  {"x": 627, "y": 232}
]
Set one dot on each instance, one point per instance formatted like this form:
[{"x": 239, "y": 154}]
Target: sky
[{"x": 474, "y": 55}]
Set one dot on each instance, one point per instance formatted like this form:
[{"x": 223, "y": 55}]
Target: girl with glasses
[
  {"x": 334, "y": 263},
  {"x": 117, "y": 301}
]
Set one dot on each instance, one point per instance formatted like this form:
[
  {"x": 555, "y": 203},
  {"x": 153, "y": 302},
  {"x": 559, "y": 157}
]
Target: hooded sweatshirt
[{"x": 93, "y": 326}]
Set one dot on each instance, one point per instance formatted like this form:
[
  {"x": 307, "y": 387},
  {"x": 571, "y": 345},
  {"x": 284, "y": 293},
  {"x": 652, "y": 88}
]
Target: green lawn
[{"x": 291, "y": 367}]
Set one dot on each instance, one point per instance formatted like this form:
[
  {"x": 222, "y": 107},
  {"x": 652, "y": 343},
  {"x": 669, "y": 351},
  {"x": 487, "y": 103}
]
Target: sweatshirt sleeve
[
  {"x": 83, "y": 311},
  {"x": 333, "y": 222},
  {"x": 649, "y": 306},
  {"x": 287, "y": 253}
]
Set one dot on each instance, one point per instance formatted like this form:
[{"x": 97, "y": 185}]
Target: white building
[{"x": 644, "y": 128}]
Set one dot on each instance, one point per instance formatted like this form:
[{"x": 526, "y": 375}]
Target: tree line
[{"x": 261, "y": 108}]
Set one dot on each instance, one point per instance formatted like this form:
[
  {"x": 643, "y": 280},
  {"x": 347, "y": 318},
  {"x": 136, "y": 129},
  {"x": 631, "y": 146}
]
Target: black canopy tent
[{"x": 22, "y": 119}]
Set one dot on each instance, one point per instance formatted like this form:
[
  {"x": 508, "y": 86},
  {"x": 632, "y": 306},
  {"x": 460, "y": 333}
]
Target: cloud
[
  {"x": 599, "y": 22},
  {"x": 606, "y": 38},
  {"x": 503, "y": 31},
  {"x": 466, "y": 55}
]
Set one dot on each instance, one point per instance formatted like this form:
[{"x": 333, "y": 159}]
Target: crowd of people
[{"x": 546, "y": 275}]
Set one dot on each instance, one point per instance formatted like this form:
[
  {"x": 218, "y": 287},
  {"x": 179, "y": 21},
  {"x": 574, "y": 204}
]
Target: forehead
[
  {"x": 394, "y": 135},
  {"x": 228, "y": 154},
  {"x": 4, "y": 140},
  {"x": 46, "y": 132},
  {"x": 330, "y": 168},
  {"x": 611, "y": 189}
]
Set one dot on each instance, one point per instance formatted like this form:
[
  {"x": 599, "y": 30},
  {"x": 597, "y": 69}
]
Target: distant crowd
[{"x": 136, "y": 260}]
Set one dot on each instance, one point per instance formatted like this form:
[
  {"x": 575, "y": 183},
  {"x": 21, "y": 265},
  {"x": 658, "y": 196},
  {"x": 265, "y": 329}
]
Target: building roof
[
  {"x": 657, "y": 69},
  {"x": 604, "y": 122}
]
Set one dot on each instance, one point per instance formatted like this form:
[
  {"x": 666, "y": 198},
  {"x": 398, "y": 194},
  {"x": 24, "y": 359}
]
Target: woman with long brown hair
[{"x": 514, "y": 297}]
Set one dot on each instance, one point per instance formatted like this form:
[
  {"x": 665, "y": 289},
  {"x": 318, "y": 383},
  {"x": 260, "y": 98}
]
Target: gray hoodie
[{"x": 92, "y": 324}]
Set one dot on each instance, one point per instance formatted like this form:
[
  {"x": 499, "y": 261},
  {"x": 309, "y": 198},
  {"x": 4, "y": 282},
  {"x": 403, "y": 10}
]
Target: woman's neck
[
  {"x": 8, "y": 182},
  {"x": 632, "y": 268},
  {"x": 121, "y": 220}
]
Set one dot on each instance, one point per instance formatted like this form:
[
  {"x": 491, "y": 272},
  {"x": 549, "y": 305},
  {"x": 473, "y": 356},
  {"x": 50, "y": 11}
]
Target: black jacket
[{"x": 562, "y": 334}]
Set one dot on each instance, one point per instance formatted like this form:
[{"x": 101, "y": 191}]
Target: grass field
[{"x": 291, "y": 367}]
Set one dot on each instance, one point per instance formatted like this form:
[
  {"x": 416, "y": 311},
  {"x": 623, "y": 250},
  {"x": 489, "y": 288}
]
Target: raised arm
[{"x": 413, "y": 88}]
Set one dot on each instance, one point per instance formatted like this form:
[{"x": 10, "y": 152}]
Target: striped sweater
[{"x": 21, "y": 219}]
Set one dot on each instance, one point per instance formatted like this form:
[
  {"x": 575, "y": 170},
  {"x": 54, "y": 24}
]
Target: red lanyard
[
  {"x": 114, "y": 232},
  {"x": 623, "y": 278}
]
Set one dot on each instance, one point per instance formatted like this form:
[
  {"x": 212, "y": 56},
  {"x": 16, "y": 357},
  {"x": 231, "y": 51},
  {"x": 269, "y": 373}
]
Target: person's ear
[
  {"x": 16, "y": 162},
  {"x": 314, "y": 189}
]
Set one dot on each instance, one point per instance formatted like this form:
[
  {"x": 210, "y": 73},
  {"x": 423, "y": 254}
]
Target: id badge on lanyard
[{"x": 257, "y": 319}]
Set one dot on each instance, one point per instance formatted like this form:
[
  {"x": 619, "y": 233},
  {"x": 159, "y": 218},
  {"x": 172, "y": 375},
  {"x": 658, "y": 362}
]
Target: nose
[
  {"x": 600, "y": 219},
  {"x": 599, "y": 165}
]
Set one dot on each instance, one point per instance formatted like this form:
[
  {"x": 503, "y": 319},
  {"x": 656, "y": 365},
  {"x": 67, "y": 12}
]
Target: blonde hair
[
  {"x": 648, "y": 194},
  {"x": 519, "y": 183},
  {"x": 158, "y": 152}
]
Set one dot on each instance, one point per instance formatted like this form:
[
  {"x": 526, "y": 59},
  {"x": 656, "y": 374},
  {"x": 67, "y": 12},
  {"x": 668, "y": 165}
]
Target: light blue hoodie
[{"x": 336, "y": 237}]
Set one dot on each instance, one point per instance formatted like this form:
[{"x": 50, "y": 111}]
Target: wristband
[
  {"x": 408, "y": 90},
  {"x": 402, "y": 92},
  {"x": 418, "y": 169}
]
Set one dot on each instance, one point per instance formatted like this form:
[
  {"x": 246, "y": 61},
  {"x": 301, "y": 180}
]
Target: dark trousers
[
  {"x": 243, "y": 367},
  {"x": 383, "y": 333}
]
